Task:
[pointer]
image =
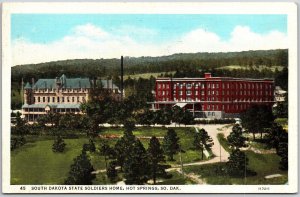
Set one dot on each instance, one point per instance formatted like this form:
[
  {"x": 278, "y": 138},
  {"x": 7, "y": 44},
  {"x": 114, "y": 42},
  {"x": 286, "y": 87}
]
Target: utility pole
[
  {"x": 122, "y": 82},
  {"x": 181, "y": 160},
  {"x": 220, "y": 152}
]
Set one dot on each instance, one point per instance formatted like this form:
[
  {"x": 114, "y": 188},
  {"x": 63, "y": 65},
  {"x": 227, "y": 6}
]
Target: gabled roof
[
  {"x": 27, "y": 86},
  {"x": 71, "y": 83},
  {"x": 109, "y": 83}
]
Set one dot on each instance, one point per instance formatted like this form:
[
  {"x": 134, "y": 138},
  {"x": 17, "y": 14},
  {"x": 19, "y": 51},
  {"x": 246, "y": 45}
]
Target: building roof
[
  {"x": 64, "y": 82},
  {"x": 27, "y": 86},
  {"x": 43, "y": 105},
  {"x": 108, "y": 84},
  {"x": 69, "y": 83}
]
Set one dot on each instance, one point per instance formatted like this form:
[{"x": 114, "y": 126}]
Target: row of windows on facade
[
  {"x": 58, "y": 99},
  {"x": 53, "y": 110},
  {"x": 189, "y": 92},
  {"x": 217, "y": 99},
  {"x": 80, "y": 90},
  {"x": 212, "y": 85}
]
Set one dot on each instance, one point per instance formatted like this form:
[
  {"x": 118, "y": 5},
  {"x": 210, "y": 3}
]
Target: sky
[{"x": 37, "y": 38}]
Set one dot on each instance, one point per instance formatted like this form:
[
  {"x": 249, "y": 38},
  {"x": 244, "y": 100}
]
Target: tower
[{"x": 28, "y": 94}]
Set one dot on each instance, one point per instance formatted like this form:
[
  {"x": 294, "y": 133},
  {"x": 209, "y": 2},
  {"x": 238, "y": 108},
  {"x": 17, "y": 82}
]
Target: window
[
  {"x": 202, "y": 85},
  {"x": 163, "y": 93},
  {"x": 223, "y": 85},
  {"x": 180, "y": 92},
  {"x": 163, "y": 86},
  {"x": 213, "y": 92},
  {"x": 189, "y": 85},
  {"x": 222, "y": 107},
  {"x": 159, "y": 86},
  {"x": 213, "y": 85},
  {"x": 208, "y": 107},
  {"x": 188, "y": 92},
  {"x": 202, "y": 92},
  {"x": 58, "y": 99},
  {"x": 83, "y": 99},
  {"x": 212, "y": 113},
  {"x": 167, "y": 86},
  {"x": 217, "y": 85},
  {"x": 53, "y": 99},
  {"x": 208, "y": 93},
  {"x": 208, "y": 85},
  {"x": 48, "y": 99},
  {"x": 34, "y": 99},
  {"x": 196, "y": 92},
  {"x": 227, "y": 85},
  {"x": 158, "y": 93},
  {"x": 44, "y": 100}
]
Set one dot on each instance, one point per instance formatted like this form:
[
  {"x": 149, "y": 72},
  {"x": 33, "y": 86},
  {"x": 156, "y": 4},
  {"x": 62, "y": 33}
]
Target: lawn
[
  {"x": 146, "y": 75},
  {"x": 260, "y": 68},
  {"x": 35, "y": 163},
  {"x": 262, "y": 164}
]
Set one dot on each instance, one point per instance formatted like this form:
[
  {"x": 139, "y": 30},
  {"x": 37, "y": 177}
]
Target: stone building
[{"x": 61, "y": 95}]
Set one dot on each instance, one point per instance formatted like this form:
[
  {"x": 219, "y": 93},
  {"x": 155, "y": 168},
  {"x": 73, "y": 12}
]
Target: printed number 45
[{"x": 22, "y": 188}]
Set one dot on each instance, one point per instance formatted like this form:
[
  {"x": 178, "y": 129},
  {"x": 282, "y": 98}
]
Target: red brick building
[{"x": 213, "y": 97}]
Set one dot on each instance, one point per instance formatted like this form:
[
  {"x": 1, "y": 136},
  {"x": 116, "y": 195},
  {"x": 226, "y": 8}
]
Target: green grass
[
  {"x": 262, "y": 164},
  {"x": 146, "y": 75},
  {"x": 177, "y": 179},
  {"x": 35, "y": 163},
  {"x": 223, "y": 142},
  {"x": 259, "y": 68}
]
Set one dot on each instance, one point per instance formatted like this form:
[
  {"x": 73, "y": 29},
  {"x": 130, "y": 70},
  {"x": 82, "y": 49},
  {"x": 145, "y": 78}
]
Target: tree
[
  {"x": 58, "y": 145},
  {"x": 136, "y": 165},
  {"x": 129, "y": 125},
  {"x": 92, "y": 146},
  {"x": 81, "y": 171},
  {"x": 106, "y": 151},
  {"x": 281, "y": 110},
  {"x": 155, "y": 156},
  {"x": 21, "y": 128},
  {"x": 111, "y": 172},
  {"x": 178, "y": 114},
  {"x": 257, "y": 118},
  {"x": 276, "y": 135},
  {"x": 202, "y": 141},
  {"x": 236, "y": 138},
  {"x": 123, "y": 146},
  {"x": 187, "y": 117},
  {"x": 237, "y": 164},
  {"x": 283, "y": 153},
  {"x": 171, "y": 144}
]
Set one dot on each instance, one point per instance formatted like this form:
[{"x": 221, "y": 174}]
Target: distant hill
[{"x": 110, "y": 67}]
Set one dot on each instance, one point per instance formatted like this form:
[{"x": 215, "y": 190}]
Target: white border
[{"x": 288, "y": 8}]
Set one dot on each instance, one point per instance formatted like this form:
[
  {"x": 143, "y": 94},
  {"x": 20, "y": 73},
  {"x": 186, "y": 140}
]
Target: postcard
[{"x": 158, "y": 97}]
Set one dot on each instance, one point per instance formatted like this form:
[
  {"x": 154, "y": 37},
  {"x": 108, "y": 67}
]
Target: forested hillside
[
  {"x": 253, "y": 64},
  {"x": 109, "y": 67}
]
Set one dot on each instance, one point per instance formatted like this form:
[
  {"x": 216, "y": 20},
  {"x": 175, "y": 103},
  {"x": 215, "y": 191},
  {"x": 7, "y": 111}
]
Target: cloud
[{"x": 90, "y": 41}]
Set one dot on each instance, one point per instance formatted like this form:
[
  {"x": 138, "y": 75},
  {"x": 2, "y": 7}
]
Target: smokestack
[{"x": 122, "y": 73}]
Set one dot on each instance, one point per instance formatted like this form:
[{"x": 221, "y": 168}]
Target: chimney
[
  {"x": 207, "y": 75},
  {"x": 122, "y": 73}
]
